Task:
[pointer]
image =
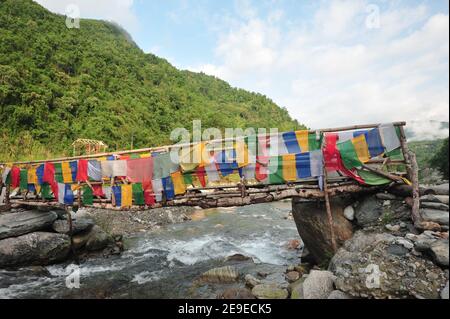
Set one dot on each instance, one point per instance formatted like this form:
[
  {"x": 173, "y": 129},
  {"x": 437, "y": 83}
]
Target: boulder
[
  {"x": 251, "y": 281},
  {"x": 238, "y": 257},
  {"x": 38, "y": 248},
  {"x": 269, "y": 291},
  {"x": 438, "y": 206},
  {"x": 17, "y": 224},
  {"x": 312, "y": 223},
  {"x": 296, "y": 289},
  {"x": 78, "y": 226},
  {"x": 369, "y": 211},
  {"x": 236, "y": 293},
  {"x": 439, "y": 252},
  {"x": 93, "y": 239},
  {"x": 444, "y": 292},
  {"x": 292, "y": 276},
  {"x": 337, "y": 294},
  {"x": 442, "y": 189},
  {"x": 386, "y": 196},
  {"x": 367, "y": 267},
  {"x": 318, "y": 285},
  {"x": 436, "y": 216},
  {"x": 443, "y": 199},
  {"x": 225, "y": 274}
]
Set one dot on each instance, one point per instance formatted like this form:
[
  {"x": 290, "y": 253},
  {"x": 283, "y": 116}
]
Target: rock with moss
[{"x": 269, "y": 291}]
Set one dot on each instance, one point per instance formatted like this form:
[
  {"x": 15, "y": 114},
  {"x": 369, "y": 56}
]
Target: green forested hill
[{"x": 59, "y": 84}]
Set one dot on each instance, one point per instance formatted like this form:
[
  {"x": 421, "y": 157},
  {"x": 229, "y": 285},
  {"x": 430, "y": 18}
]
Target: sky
[{"x": 329, "y": 63}]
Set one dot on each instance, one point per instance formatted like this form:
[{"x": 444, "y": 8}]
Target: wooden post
[
  {"x": 328, "y": 207},
  {"x": 413, "y": 175}
]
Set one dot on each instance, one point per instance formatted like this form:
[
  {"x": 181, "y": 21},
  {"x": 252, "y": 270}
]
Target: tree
[{"x": 440, "y": 159}]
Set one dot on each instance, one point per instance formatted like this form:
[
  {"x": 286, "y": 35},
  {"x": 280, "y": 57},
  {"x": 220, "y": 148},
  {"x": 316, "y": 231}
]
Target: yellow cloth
[
  {"x": 303, "y": 140},
  {"x": 67, "y": 173},
  {"x": 361, "y": 148},
  {"x": 146, "y": 155},
  {"x": 75, "y": 187},
  {"x": 101, "y": 159},
  {"x": 289, "y": 168},
  {"x": 242, "y": 156},
  {"x": 178, "y": 183},
  {"x": 32, "y": 177},
  {"x": 192, "y": 157},
  {"x": 127, "y": 195}
]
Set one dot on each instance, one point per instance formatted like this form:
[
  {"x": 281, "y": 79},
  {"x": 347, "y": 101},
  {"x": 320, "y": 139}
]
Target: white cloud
[
  {"x": 336, "y": 71},
  {"x": 119, "y": 11}
]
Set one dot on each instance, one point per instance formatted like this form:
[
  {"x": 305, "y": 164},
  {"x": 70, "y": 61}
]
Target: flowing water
[{"x": 166, "y": 263}]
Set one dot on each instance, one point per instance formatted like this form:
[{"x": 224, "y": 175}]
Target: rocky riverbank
[{"x": 382, "y": 254}]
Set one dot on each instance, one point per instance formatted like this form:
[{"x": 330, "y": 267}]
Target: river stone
[
  {"x": 312, "y": 223},
  {"x": 98, "y": 239},
  {"x": 78, "y": 226},
  {"x": 269, "y": 291},
  {"x": 236, "y": 293},
  {"x": 439, "y": 252},
  {"x": 16, "y": 224},
  {"x": 251, "y": 281},
  {"x": 438, "y": 206},
  {"x": 221, "y": 275},
  {"x": 292, "y": 276},
  {"x": 349, "y": 212},
  {"x": 368, "y": 211},
  {"x": 337, "y": 294},
  {"x": 436, "y": 216},
  {"x": 444, "y": 292},
  {"x": 386, "y": 196},
  {"x": 364, "y": 268},
  {"x": 38, "y": 248},
  {"x": 443, "y": 199},
  {"x": 318, "y": 285},
  {"x": 296, "y": 289}
]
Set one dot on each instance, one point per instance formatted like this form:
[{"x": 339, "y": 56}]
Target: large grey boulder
[
  {"x": 337, "y": 294},
  {"x": 318, "y": 285},
  {"x": 78, "y": 226},
  {"x": 368, "y": 266},
  {"x": 369, "y": 211},
  {"x": 38, "y": 248},
  {"x": 436, "y": 216},
  {"x": 442, "y": 189},
  {"x": 439, "y": 252},
  {"x": 438, "y": 206},
  {"x": 444, "y": 292},
  {"x": 94, "y": 239},
  {"x": 443, "y": 199},
  {"x": 16, "y": 224}
]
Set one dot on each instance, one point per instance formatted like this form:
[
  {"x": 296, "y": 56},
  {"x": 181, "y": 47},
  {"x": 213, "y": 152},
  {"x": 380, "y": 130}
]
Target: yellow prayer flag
[
  {"x": 242, "y": 156},
  {"x": 303, "y": 140},
  {"x": 361, "y": 148},
  {"x": 178, "y": 183},
  {"x": 32, "y": 177},
  {"x": 146, "y": 155},
  {"x": 289, "y": 168},
  {"x": 127, "y": 195},
  {"x": 193, "y": 156},
  {"x": 67, "y": 172}
]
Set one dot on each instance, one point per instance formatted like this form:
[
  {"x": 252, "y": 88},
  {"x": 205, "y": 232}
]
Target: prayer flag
[
  {"x": 127, "y": 195},
  {"x": 58, "y": 173},
  {"x": 348, "y": 154},
  {"x": 140, "y": 170},
  {"x": 291, "y": 142},
  {"x": 114, "y": 168},
  {"x": 49, "y": 173},
  {"x": 178, "y": 183},
  {"x": 157, "y": 189},
  {"x": 117, "y": 192},
  {"x": 95, "y": 170},
  {"x": 375, "y": 144},
  {"x": 303, "y": 162},
  {"x": 24, "y": 179},
  {"x": 82, "y": 171},
  {"x": 74, "y": 170},
  {"x": 361, "y": 148},
  {"x": 15, "y": 177},
  {"x": 389, "y": 137},
  {"x": 303, "y": 140},
  {"x": 276, "y": 170},
  {"x": 169, "y": 191},
  {"x": 163, "y": 166},
  {"x": 32, "y": 177},
  {"x": 289, "y": 168},
  {"x": 138, "y": 194},
  {"x": 88, "y": 196},
  {"x": 149, "y": 197},
  {"x": 5, "y": 174}
]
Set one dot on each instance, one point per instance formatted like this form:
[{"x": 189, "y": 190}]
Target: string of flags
[{"x": 145, "y": 179}]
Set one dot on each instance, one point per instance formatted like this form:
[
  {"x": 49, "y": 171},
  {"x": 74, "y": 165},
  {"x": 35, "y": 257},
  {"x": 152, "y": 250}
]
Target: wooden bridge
[{"x": 333, "y": 182}]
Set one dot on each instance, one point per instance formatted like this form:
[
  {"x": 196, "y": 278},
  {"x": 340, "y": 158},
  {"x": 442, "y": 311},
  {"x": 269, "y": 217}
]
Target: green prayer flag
[
  {"x": 46, "y": 191},
  {"x": 373, "y": 179},
  {"x": 8, "y": 179},
  {"x": 58, "y": 173},
  {"x": 313, "y": 143},
  {"x": 23, "y": 179},
  {"x": 138, "y": 194},
  {"x": 395, "y": 154},
  {"x": 188, "y": 179},
  {"x": 88, "y": 196},
  {"x": 276, "y": 170},
  {"x": 349, "y": 155},
  {"x": 135, "y": 156}
]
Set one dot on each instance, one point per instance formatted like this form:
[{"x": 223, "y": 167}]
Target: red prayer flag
[
  {"x": 49, "y": 173},
  {"x": 82, "y": 173},
  {"x": 149, "y": 197},
  {"x": 140, "y": 170},
  {"x": 201, "y": 174},
  {"x": 15, "y": 177},
  {"x": 97, "y": 190}
]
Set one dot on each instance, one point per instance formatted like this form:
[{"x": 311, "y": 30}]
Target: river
[{"x": 165, "y": 263}]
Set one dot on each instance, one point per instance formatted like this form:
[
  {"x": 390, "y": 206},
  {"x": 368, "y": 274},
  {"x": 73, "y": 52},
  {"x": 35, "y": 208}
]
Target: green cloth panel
[
  {"x": 88, "y": 196},
  {"x": 395, "y": 155},
  {"x": 372, "y": 178},
  {"x": 135, "y": 156},
  {"x": 277, "y": 176},
  {"x": 58, "y": 173},
  {"x": 163, "y": 166},
  {"x": 24, "y": 179},
  {"x": 348, "y": 155},
  {"x": 188, "y": 178},
  {"x": 46, "y": 191},
  {"x": 8, "y": 179},
  {"x": 314, "y": 144},
  {"x": 138, "y": 194}
]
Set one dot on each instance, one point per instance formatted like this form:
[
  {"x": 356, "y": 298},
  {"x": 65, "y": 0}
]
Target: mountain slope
[{"x": 59, "y": 84}]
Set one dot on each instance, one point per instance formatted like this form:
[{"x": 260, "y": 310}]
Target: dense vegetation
[
  {"x": 440, "y": 159},
  {"x": 59, "y": 84}
]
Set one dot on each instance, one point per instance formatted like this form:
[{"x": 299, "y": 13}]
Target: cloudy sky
[{"x": 330, "y": 63}]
